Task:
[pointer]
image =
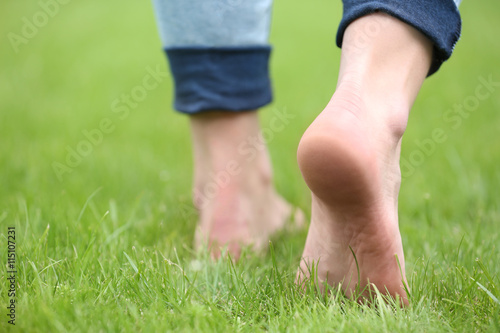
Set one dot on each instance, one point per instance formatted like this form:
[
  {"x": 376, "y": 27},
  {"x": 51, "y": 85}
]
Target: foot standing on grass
[{"x": 349, "y": 156}]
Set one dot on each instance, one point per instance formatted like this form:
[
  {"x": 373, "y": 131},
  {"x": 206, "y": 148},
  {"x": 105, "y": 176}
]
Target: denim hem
[
  {"x": 220, "y": 78},
  {"x": 438, "y": 20}
]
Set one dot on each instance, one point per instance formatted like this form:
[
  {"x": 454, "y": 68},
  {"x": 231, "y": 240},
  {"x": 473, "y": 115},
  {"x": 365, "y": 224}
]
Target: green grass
[{"x": 117, "y": 256}]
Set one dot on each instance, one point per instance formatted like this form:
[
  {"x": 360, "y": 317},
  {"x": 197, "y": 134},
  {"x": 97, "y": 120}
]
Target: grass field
[{"x": 104, "y": 244}]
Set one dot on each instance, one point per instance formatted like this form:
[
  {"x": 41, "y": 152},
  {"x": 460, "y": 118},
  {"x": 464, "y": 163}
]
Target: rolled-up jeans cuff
[
  {"x": 438, "y": 20},
  {"x": 220, "y": 78}
]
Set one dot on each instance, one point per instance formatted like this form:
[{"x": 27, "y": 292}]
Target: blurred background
[{"x": 64, "y": 67}]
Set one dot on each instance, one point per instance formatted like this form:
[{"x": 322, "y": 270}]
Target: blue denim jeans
[{"x": 218, "y": 50}]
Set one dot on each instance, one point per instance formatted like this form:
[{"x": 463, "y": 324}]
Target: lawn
[{"x": 103, "y": 239}]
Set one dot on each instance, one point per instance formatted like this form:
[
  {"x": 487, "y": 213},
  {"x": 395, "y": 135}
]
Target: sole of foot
[{"x": 352, "y": 168}]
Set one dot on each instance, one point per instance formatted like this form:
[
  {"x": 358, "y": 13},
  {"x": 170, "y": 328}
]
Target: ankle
[
  {"x": 219, "y": 176},
  {"x": 385, "y": 114}
]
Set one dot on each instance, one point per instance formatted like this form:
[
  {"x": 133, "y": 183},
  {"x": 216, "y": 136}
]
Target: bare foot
[
  {"x": 233, "y": 190},
  {"x": 349, "y": 158},
  {"x": 355, "y": 185}
]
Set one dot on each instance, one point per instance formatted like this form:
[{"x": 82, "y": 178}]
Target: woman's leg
[
  {"x": 349, "y": 156},
  {"x": 218, "y": 54}
]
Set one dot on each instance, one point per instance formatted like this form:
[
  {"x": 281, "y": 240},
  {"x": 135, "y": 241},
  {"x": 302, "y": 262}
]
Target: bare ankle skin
[{"x": 233, "y": 191}]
